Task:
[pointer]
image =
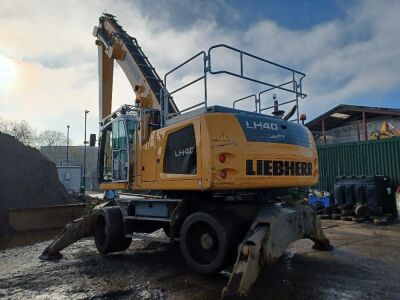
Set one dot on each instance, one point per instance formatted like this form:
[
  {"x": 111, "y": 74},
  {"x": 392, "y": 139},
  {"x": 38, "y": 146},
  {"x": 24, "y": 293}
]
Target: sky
[{"x": 349, "y": 51}]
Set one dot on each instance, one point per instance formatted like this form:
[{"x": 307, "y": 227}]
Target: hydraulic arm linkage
[{"x": 75, "y": 230}]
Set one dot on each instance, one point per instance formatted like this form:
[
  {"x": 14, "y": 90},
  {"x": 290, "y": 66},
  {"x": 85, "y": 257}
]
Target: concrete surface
[{"x": 365, "y": 264}]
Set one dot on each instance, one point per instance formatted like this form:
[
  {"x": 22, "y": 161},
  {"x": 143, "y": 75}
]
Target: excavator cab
[{"x": 117, "y": 139}]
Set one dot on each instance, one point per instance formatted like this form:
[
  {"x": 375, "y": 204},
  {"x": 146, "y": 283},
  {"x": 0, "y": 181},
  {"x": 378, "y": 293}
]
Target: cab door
[{"x": 120, "y": 153}]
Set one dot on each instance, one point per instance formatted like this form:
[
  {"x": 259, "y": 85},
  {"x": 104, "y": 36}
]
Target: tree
[
  {"x": 21, "y": 130},
  {"x": 52, "y": 138},
  {"x": 27, "y": 135}
]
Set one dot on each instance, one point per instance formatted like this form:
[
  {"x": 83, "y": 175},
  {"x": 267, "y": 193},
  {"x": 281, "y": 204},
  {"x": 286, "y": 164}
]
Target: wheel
[
  {"x": 206, "y": 242},
  {"x": 363, "y": 211},
  {"x": 109, "y": 233}
]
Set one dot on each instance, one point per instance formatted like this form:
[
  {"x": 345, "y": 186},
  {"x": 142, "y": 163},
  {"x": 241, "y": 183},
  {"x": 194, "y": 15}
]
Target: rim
[{"x": 202, "y": 243}]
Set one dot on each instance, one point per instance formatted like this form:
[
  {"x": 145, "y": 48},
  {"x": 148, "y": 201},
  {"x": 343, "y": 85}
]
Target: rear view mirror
[{"x": 92, "y": 140}]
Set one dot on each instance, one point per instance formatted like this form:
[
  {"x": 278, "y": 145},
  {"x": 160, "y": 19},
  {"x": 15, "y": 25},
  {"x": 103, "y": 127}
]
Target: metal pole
[
  {"x": 84, "y": 155},
  {"x": 206, "y": 68},
  {"x": 364, "y": 119},
  {"x": 67, "y": 145}
]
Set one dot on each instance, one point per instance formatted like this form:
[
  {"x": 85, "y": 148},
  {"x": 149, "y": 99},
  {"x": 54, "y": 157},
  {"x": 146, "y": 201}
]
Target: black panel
[
  {"x": 180, "y": 152},
  {"x": 263, "y": 128}
]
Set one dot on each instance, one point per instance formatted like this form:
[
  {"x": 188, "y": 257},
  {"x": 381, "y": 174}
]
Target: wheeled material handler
[{"x": 224, "y": 182}]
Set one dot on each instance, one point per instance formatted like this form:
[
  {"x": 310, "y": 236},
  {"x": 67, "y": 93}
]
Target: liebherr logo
[
  {"x": 184, "y": 151},
  {"x": 278, "y": 168}
]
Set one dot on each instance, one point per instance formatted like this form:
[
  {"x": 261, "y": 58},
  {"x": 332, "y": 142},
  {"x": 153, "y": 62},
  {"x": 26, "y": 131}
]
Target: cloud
[
  {"x": 56, "y": 60},
  {"x": 184, "y": 14}
]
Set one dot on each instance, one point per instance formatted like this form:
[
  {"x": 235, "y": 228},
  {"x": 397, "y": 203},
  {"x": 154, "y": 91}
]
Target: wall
[
  {"x": 58, "y": 154},
  {"x": 380, "y": 157}
]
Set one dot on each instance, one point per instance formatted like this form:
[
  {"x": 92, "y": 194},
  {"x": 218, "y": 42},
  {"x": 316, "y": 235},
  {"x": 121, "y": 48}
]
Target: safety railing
[
  {"x": 248, "y": 97},
  {"x": 293, "y": 86},
  {"x": 165, "y": 95}
]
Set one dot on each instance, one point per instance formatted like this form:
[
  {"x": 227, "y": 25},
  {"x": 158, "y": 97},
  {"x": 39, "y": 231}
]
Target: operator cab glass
[
  {"x": 118, "y": 140},
  {"x": 120, "y": 163}
]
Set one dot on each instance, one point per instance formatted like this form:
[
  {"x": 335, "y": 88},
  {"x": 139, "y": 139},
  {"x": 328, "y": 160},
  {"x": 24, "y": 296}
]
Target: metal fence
[{"x": 379, "y": 157}]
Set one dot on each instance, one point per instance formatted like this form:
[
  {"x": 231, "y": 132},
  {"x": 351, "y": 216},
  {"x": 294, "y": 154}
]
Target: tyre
[
  {"x": 109, "y": 235},
  {"x": 207, "y": 242},
  {"x": 363, "y": 211}
]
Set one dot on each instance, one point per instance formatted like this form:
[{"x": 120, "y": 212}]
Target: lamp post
[
  {"x": 84, "y": 157},
  {"x": 67, "y": 145}
]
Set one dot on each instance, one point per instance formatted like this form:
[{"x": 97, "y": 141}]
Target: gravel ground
[{"x": 364, "y": 264}]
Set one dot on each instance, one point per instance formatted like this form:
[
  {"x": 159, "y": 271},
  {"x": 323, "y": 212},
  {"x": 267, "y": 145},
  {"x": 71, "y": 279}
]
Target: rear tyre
[
  {"x": 109, "y": 235},
  {"x": 206, "y": 242}
]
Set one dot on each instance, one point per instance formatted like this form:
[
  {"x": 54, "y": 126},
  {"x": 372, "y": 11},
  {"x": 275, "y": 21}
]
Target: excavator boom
[{"x": 114, "y": 43}]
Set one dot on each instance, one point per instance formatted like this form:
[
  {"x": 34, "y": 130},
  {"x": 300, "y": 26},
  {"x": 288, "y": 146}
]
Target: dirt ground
[{"x": 365, "y": 264}]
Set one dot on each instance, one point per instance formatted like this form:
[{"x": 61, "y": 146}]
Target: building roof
[{"x": 343, "y": 113}]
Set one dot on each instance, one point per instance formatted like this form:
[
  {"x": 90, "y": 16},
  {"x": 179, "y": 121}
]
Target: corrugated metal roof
[{"x": 354, "y": 113}]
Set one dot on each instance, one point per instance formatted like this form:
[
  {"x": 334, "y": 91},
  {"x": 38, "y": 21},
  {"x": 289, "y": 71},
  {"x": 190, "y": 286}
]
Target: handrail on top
[{"x": 207, "y": 68}]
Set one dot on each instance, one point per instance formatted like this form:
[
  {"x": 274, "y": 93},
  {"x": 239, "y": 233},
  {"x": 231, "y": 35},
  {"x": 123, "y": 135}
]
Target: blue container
[{"x": 325, "y": 201}]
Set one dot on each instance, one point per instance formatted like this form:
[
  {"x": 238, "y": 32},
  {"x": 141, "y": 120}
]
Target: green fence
[{"x": 379, "y": 157}]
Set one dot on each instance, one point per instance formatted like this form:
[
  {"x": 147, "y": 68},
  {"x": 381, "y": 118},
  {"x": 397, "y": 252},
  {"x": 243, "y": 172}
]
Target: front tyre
[{"x": 109, "y": 235}]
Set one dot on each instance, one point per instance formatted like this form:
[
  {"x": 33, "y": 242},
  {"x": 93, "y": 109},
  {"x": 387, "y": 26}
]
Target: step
[
  {"x": 147, "y": 237},
  {"x": 133, "y": 198},
  {"x": 145, "y": 218}
]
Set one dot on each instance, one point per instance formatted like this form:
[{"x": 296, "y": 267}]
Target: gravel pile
[{"x": 27, "y": 179}]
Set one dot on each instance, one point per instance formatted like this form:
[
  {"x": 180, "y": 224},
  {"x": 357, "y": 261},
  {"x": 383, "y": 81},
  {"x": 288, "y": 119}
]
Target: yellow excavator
[
  {"x": 387, "y": 130},
  {"x": 226, "y": 183}
]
